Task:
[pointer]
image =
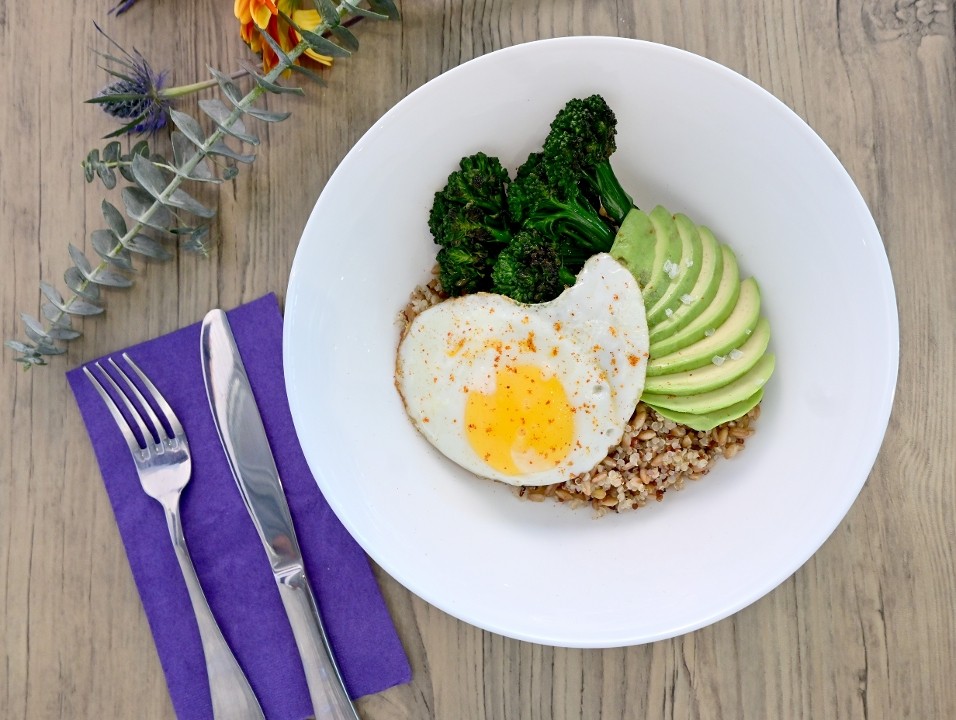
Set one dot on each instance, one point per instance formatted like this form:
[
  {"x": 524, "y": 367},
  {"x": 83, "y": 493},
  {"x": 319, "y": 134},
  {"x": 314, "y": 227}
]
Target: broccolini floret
[
  {"x": 469, "y": 219},
  {"x": 555, "y": 206},
  {"x": 580, "y": 143},
  {"x": 530, "y": 269}
]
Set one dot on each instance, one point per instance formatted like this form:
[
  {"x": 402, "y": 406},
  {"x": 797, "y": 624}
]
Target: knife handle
[{"x": 330, "y": 701}]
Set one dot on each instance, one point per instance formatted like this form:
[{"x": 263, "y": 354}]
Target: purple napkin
[{"x": 225, "y": 548}]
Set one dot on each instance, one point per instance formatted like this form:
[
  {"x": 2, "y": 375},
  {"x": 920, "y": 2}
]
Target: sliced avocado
[
  {"x": 709, "y": 421},
  {"x": 684, "y": 274},
  {"x": 635, "y": 245},
  {"x": 710, "y": 376},
  {"x": 729, "y": 334},
  {"x": 644, "y": 244},
  {"x": 669, "y": 247},
  {"x": 723, "y": 397},
  {"x": 711, "y": 269},
  {"x": 713, "y": 315}
]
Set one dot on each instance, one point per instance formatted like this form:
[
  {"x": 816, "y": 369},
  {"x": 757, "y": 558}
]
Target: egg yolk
[{"x": 524, "y": 425}]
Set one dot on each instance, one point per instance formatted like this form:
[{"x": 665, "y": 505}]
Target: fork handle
[{"x": 232, "y": 696}]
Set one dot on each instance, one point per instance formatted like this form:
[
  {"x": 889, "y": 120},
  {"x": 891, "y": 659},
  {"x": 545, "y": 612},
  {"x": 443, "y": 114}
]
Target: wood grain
[{"x": 866, "y": 630}]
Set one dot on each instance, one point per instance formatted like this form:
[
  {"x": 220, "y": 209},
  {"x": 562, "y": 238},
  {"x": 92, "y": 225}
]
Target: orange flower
[{"x": 258, "y": 16}]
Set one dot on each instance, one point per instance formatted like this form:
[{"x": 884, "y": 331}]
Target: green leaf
[
  {"x": 19, "y": 346},
  {"x": 220, "y": 148},
  {"x": 79, "y": 259},
  {"x": 140, "y": 148},
  {"x": 48, "y": 348},
  {"x": 188, "y": 126},
  {"x": 104, "y": 243},
  {"x": 267, "y": 116},
  {"x": 145, "y": 245},
  {"x": 51, "y": 294},
  {"x": 110, "y": 278},
  {"x": 312, "y": 75},
  {"x": 107, "y": 176},
  {"x": 228, "y": 87},
  {"x": 56, "y": 315},
  {"x": 89, "y": 165},
  {"x": 327, "y": 12},
  {"x": 221, "y": 115},
  {"x": 77, "y": 282},
  {"x": 148, "y": 176},
  {"x": 316, "y": 42},
  {"x": 346, "y": 38},
  {"x": 270, "y": 86},
  {"x": 385, "y": 7},
  {"x": 33, "y": 327},
  {"x": 138, "y": 203},
  {"x": 112, "y": 152},
  {"x": 362, "y": 12},
  {"x": 230, "y": 172},
  {"x": 197, "y": 241},
  {"x": 184, "y": 201},
  {"x": 83, "y": 307},
  {"x": 66, "y": 334},
  {"x": 270, "y": 41},
  {"x": 114, "y": 219}
]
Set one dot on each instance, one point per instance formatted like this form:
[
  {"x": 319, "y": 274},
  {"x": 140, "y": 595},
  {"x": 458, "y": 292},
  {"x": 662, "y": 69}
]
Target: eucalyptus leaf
[
  {"x": 321, "y": 45},
  {"x": 228, "y": 87},
  {"x": 327, "y": 11},
  {"x": 385, "y": 7},
  {"x": 19, "y": 346},
  {"x": 112, "y": 152},
  {"x": 138, "y": 204},
  {"x": 197, "y": 241},
  {"x": 48, "y": 348},
  {"x": 221, "y": 115},
  {"x": 51, "y": 294},
  {"x": 79, "y": 259},
  {"x": 105, "y": 242},
  {"x": 89, "y": 165},
  {"x": 148, "y": 176},
  {"x": 83, "y": 307},
  {"x": 346, "y": 37},
  {"x": 34, "y": 328},
  {"x": 313, "y": 76},
  {"x": 188, "y": 126},
  {"x": 230, "y": 172},
  {"x": 56, "y": 315},
  {"x": 270, "y": 86},
  {"x": 106, "y": 176},
  {"x": 184, "y": 152},
  {"x": 114, "y": 219},
  {"x": 140, "y": 148},
  {"x": 220, "y": 148},
  {"x": 110, "y": 278},
  {"x": 283, "y": 58},
  {"x": 362, "y": 12},
  {"x": 184, "y": 201},
  {"x": 145, "y": 245},
  {"x": 77, "y": 282},
  {"x": 267, "y": 116},
  {"x": 61, "y": 333}
]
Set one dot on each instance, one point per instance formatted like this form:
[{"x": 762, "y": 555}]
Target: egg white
[{"x": 592, "y": 338}]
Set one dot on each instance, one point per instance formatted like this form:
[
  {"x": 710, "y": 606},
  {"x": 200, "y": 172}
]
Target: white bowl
[{"x": 699, "y": 139}]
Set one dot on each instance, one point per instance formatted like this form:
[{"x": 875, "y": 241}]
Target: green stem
[{"x": 182, "y": 90}]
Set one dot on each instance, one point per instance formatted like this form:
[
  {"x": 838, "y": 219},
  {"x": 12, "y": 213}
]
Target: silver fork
[{"x": 164, "y": 468}]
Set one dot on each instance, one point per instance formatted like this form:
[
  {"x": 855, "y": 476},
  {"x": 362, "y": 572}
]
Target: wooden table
[{"x": 866, "y": 629}]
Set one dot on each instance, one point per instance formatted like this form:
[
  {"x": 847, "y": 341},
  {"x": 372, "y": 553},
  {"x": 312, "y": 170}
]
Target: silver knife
[{"x": 253, "y": 466}]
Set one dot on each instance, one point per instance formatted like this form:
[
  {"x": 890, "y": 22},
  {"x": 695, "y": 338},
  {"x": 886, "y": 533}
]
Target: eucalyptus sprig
[{"x": 155, "y": 202}]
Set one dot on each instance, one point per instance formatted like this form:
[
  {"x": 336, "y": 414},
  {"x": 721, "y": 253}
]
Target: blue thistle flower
[
  {"x": 122, "y": 6},
  {"x": 136, "y": 96}
]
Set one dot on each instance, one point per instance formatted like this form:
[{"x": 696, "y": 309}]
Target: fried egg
[{"x": 528, "y": 394}]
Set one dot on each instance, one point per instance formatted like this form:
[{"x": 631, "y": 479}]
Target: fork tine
[
  {"x": 147, "y": 436},
  {"x": 160, "y": 430},
  {"x": 121, "y": 423},
  {"x": 170, "y": 416}
]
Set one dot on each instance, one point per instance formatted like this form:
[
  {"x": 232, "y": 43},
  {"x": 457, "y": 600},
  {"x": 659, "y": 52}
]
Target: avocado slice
[
  {"x": 731, "y": 333},
  {"x": 713, "y": 315},
  {"x": 683, "y": 275},
  {"x": 710, "y": 377},
  {"x": 709, "y": 421},
  {"x": 723, "y": 397},
  {"x": 711, "y": 270},
  {"x": 644, "y": 244}
]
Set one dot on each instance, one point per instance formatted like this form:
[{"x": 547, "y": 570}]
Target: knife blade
[{"x": 253, "y": 466}]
